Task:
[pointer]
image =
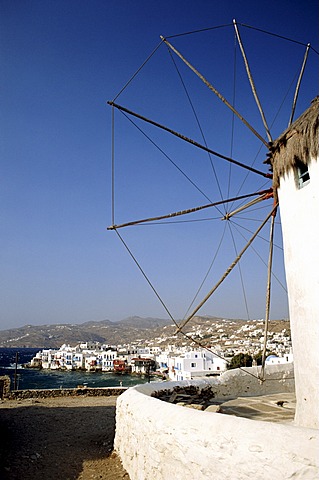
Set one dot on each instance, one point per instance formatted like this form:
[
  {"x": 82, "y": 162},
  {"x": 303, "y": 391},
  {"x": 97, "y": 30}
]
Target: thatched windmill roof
[{"x": 299, "y": 143}]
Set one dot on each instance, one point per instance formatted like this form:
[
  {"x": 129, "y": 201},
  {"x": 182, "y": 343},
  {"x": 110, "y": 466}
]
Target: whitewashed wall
[
  {"x": 160, "y": 441},
  {"x": 299, "y": 210}
]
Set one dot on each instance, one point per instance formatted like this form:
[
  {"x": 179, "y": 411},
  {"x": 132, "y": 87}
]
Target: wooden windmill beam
[
  {"x": 251, "y": 81},
  {"x": 189, "y": 140},
  {"x": 215, "y": 91},
  {"x": 298, "y": 85},
  {"x": 230, "y": 268}
]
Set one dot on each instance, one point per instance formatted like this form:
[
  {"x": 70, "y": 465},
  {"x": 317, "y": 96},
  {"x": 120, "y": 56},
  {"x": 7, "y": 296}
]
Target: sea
[{"x": 30, "y": 378}]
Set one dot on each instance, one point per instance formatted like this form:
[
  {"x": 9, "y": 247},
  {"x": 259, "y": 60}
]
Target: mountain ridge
[
  {"x": 132, "y": 329},
  {"x": 103, "y": 331}
]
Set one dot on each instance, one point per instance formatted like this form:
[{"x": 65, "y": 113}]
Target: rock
[{"x": 213, "y": 408}]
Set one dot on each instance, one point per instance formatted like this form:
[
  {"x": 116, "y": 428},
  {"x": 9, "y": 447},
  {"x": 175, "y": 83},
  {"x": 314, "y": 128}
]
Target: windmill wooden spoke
[
  {"x": 298, "y": 84},
  {"x": 230, "y": 268},
  {"x": 268, "y": 294},
  {"x": 251, "y": 81},
  {"x": 214, "y": 90},
  {"x": 264, "y": 195},
  {"x": 189, "y": 140}
]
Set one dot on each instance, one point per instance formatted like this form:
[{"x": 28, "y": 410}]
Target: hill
[
  {"x": 134, "y": 329},
  {"x": 105, "y": 331}
]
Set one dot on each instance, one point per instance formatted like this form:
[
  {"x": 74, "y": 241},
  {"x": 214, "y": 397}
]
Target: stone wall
[
  {"x": 159, "y": 440},
  {"x": 65, "y": 392},
  {"x": 4, "y": 386}
]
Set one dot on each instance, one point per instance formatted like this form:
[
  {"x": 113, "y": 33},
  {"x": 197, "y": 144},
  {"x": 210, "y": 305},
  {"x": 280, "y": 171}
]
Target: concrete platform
[{"x": 279, "y": 407}]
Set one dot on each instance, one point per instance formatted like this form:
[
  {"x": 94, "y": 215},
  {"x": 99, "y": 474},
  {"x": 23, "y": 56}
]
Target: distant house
[
  {"x": 121, "y": 366},
  {"x": 106, "y": 358},
  {"x": 91, "y": 362},
  {"x": 195, "y": 363},
  {"x": 48, "y": 357},
  {"x": 275, "y": 360},
  {"x": 143, "y": 366}
]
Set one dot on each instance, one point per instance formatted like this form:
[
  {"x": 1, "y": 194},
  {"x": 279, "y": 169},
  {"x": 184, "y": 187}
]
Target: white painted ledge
[{"x": 160, "y": 441}]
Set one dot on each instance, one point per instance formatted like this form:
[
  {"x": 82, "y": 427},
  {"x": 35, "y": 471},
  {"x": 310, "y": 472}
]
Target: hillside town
[{"x": 172, "y": 360}]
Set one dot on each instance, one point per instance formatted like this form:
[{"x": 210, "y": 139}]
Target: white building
[
  {"x": 47, "y": 357},
  {"x": 275, "y": 360},
  {"x": 195, "y": 363},
  {"x": 105, "y": 359}
]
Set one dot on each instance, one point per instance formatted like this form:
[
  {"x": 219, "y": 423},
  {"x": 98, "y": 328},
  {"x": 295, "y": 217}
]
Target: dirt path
[{"x": 69, "y": 438}]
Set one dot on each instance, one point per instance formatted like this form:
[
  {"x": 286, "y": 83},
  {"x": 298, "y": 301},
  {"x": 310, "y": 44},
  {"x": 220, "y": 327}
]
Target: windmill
[{"x": 235, "y": 205}]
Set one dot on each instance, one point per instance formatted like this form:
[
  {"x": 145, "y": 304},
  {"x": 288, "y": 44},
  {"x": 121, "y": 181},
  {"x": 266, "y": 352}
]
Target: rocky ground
[{"x": 68, "y": 437}]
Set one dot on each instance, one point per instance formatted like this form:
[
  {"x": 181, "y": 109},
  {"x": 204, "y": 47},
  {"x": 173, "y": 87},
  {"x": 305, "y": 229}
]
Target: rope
[
  {"x": 199, "y": 31},
  {"x": 237, "y": 226},
  {"x": 242, "y": 25},
  {"x": 180, "y": 327},
  {"x": 146, "y": 278},
  {"x": 207, "y": 273},
  {"x": 193, "y": 340},
  {"x": 240, "y": 272},
  {"x": 137, "y": 71},
  {"x": 168, "y": 157},
  {"x": 276, "y": 35},
  {"x": 197, "y": 121}
]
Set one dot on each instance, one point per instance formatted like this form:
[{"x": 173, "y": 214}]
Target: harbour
[{"x": 27, "y": 378}]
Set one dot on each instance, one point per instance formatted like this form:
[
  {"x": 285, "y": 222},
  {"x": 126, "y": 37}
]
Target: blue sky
[{"x": 61, "y": 62}]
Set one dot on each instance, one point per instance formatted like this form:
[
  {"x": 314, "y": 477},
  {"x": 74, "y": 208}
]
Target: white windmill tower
[{"x": 296, "y": 182}]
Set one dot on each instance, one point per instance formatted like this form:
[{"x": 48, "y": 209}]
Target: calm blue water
[{"x": 29, "y": 378}]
